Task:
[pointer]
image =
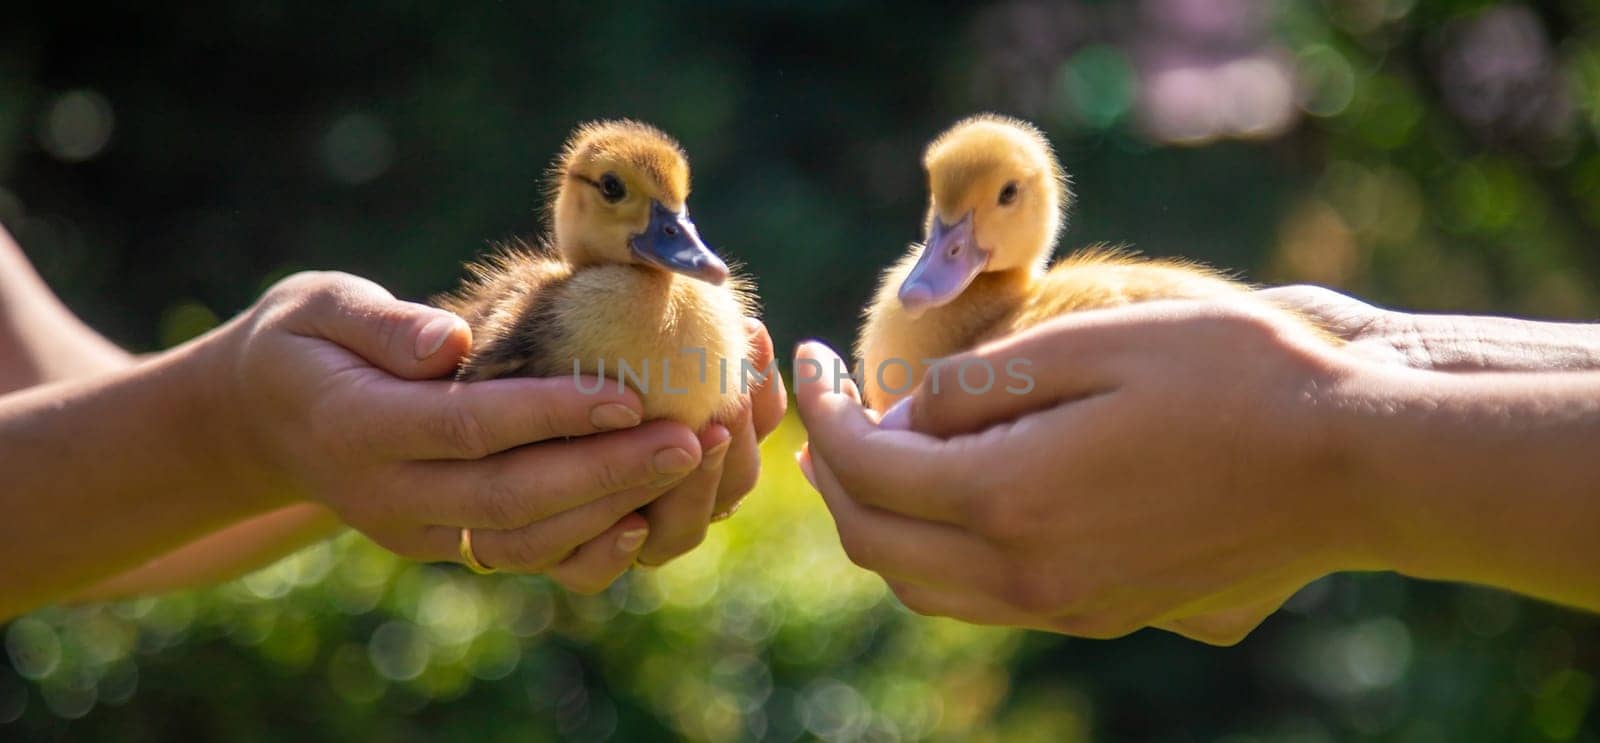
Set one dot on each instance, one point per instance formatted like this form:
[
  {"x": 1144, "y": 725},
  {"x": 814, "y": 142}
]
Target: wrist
[
  {"x": 1345, "y": 483},
  {"x": 1379, "y": 427},
  {"x": 218, "y": 421}
]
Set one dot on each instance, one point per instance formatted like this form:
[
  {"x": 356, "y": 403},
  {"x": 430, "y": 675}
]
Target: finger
[
  {"x": 907, "y": 549},
  {"x": 598, "y": 563},
  {"x": 678, "y": 519},
  {"x": 899, "y": 471},
  {"x": 538, "y": 547},
  {"x": 1074, "y": 357},
  {"x": 768, "y": 397},
  {"x": 740, "y": 472},
  {"x": 519, "y": 487},
  {"x": 406, "y": 339},
  {"x": 1065, "y": 360},
  {"x": 458, "y": 420},
  {"x": 803, "y": 458}
]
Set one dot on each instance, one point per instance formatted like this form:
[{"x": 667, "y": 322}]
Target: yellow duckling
[
  {"x": 623, "y": 288},
  {"x": 996, "y": 199}
]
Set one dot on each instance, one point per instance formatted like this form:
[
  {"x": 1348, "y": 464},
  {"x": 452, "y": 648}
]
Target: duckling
[
  {"x": 996, "y": 199},
  {"x": 622, "y": 288}
]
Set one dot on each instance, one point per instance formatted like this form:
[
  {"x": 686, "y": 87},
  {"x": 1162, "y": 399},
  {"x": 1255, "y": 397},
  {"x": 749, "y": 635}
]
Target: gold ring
[{"x": 467, "y": 557}]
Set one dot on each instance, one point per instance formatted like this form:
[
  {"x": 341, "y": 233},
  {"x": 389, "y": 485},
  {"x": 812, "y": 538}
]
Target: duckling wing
[{"x": 509, "y": 300}]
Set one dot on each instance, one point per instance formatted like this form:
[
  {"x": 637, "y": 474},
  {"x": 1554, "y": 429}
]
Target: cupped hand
[
  {"x": 335, "y": 391},
  {"x": 1166, "y": 464},
  {"x": 732, "y": 462}
]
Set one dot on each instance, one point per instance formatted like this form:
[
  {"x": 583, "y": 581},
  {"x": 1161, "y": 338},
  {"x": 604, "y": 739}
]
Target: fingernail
[
  {"x": 433, "y": 335},
  {"x": 798, "y": 348},
  {"x": 805, "y": 468},
  {"x": 712, "y": 459},
  {"x": 632, "y": 540},
  {"x": 898, "y": 416},
  {"x": 848, "y": 387},
  {"x": 612, "y": 416},
  {"x": 728, "y": 514},
  {"x": 674, "y": 461}
]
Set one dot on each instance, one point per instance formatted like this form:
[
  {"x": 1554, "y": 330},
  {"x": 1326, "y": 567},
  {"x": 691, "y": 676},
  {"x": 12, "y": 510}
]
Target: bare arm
[
  {"x": 1518, "y": 504},
  {"x": 106, "y": 471},
  {"x": 1488, "y": 478},
  {"x": 222, "y": 555},
  {"x": 42, "y": 341}
]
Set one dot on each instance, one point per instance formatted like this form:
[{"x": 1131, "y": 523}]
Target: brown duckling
[{"x": 622, "y": 287}]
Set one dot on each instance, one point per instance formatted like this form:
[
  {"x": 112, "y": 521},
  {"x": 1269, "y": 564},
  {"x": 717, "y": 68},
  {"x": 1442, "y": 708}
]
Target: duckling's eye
[
  {"x": 611, "y": 188},
  {"x": 1008, "y": 195}
]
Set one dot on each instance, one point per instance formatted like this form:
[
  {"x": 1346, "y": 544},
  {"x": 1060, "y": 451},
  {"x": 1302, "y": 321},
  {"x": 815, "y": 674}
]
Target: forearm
[
  {"x": 106, "y": 472},
  {"x": 42, "y": 341},
  {"x": 1488, "y": 478},
  {"x": 222, "y": 555}
]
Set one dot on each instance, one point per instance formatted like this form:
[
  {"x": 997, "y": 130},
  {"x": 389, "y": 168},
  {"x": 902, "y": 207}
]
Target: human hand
[
  {"x": 1170, "y": 466},
  {"x": 1455, "y": 343},
  {"x": 732, "y": 462},
  {"x": 330, "y": 386}
]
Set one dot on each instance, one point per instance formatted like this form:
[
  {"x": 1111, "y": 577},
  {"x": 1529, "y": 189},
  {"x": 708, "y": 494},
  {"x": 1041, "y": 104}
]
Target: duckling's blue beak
[
  {"x": 949, "y": 262},
  {"x": 671, "y": 242}
]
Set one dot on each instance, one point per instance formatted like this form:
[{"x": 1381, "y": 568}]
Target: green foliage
[{"x": 163, "y": 164}]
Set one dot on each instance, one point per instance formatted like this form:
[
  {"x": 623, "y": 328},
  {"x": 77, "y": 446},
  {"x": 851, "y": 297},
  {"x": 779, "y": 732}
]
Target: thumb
[
  {"x": 1061, "y": 361},
  {"x": 406, "y": 339}
]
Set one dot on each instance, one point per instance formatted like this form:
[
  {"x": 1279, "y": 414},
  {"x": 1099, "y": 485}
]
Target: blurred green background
[{"x": 164, "y": 162}]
